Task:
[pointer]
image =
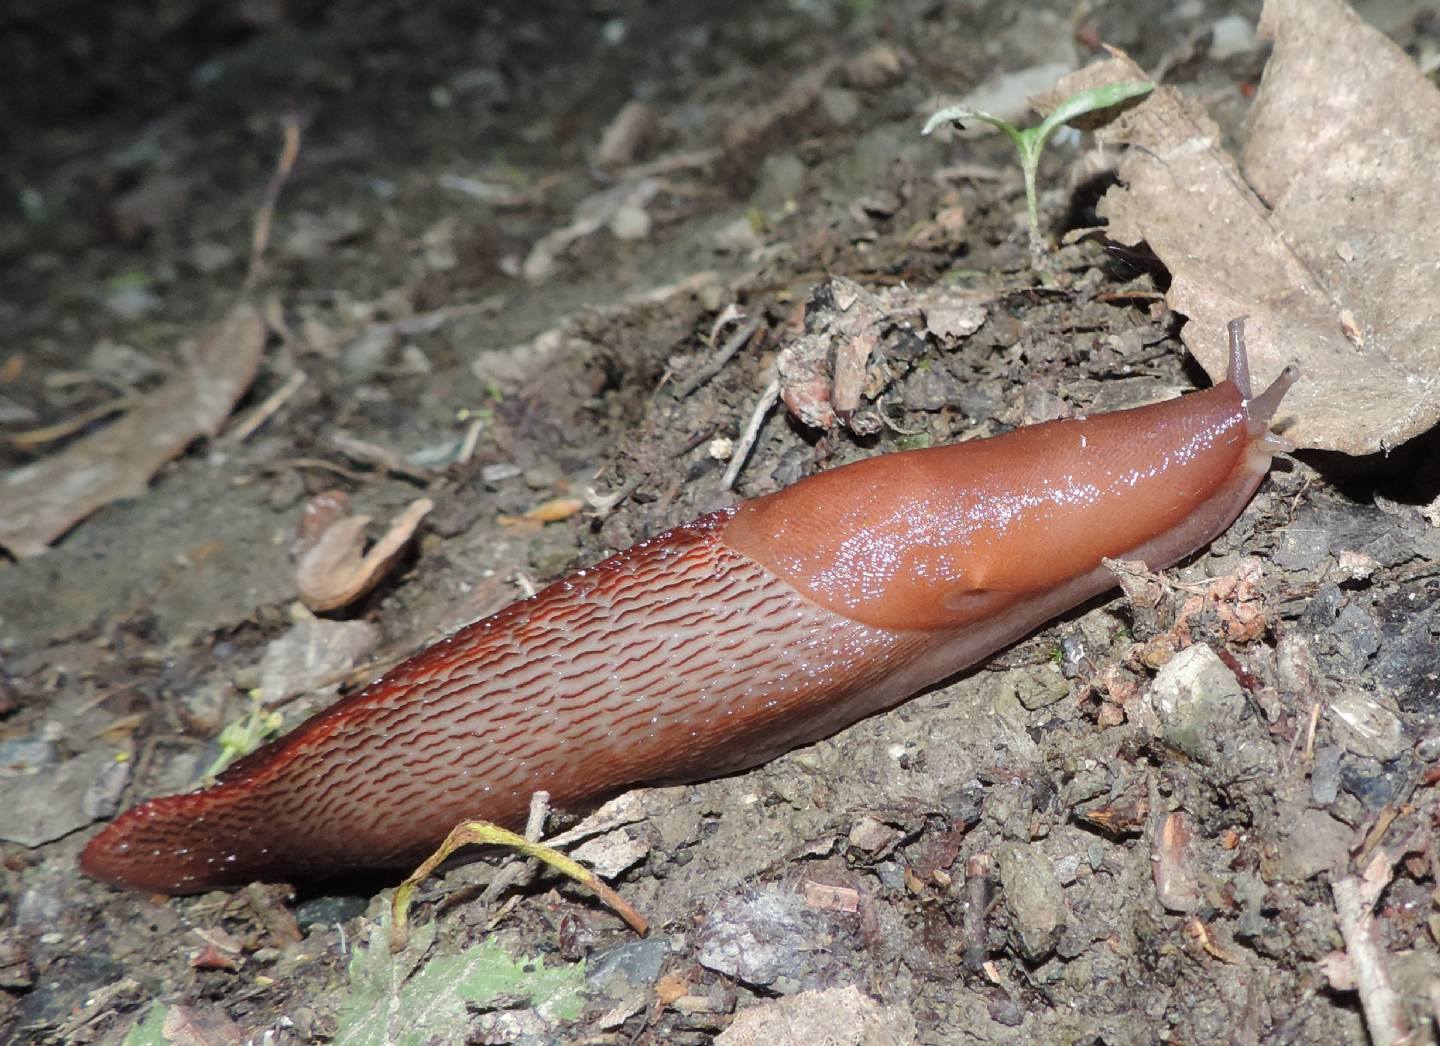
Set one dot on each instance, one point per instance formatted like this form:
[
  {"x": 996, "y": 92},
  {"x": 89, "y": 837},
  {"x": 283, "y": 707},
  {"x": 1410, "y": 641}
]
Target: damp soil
[{"x": 1043, "y": 849}]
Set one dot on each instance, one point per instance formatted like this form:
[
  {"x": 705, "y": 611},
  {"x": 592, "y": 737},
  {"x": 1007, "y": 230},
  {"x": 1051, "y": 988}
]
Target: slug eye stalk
[{"x": 1260, "y": 409}]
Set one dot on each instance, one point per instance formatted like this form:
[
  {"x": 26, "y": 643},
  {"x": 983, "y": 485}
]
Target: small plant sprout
[
  {"x": 243, "y": 736},
  {"x": 1030, "y": 142}
]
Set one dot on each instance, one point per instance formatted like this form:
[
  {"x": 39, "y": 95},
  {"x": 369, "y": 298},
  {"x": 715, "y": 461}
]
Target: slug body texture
[{"x": 717, "y": 645}]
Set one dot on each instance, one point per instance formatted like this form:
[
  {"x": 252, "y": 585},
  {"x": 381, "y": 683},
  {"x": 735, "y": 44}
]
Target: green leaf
[
  {"x": 151, "y": 1030},
  {"x": 1089, "y": 101},
  {"x": 407, "y": 999},
  {"x": 243, "y": 736},
  {"x": 959, "y": 114}
]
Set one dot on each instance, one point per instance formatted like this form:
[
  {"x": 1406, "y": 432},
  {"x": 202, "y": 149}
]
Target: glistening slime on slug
[{"x": 721, "y": 643}]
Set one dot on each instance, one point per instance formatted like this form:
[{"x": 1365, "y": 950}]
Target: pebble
[
  {"x": 768, "y": 939},
  {"x": 1325, "y": 775},
  {"x": 1035, "y": 901},
  {"x": 1367, "y": 728},
  {"x": 1198, "y": 700}
]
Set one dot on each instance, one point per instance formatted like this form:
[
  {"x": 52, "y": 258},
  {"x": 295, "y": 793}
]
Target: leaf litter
[
  {"x": 407, "y": 998},
  {"x": 42, "y": 500},
  {"x": 1321, "y": 234}
]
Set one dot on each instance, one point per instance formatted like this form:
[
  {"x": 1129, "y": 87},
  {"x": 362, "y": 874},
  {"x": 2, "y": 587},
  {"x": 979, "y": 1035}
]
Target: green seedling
[
  {"x": 1030, "y": 142},
  {"x": 243, "y": 736}
]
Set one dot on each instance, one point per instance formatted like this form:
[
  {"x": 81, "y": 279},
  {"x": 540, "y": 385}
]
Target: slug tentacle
[
  {"x": 1237, "y": 371},
  {"x": 1263, "y": 407},
  {"x": 721, "y": 643}
]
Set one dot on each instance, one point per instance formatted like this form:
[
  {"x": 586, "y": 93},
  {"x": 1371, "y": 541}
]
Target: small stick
[
  {"x": 483, "y": 833},
  {"x": 1355, "y": 898},
  {"x": 61, "y": 429},
  {"x": 515, "y": 873},
  {"x": 747, "y": 438},
  {"x": 716, "y": 363},
  {"x": 273, "y": 402},
  {"x": 467, "y": 445},
  {"x": 265, "y": 217},
  {"x": 354, "y": 475},
  {"x": 977, "y": 903}
]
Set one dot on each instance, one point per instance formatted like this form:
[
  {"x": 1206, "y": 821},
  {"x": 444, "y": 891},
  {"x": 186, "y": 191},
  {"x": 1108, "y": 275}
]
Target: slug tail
[{"x": 180, "y": 844}]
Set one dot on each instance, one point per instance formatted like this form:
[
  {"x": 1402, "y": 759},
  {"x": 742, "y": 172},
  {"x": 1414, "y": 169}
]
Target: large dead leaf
[
  {"x": 1324, "y": 236},
  {"x": 41, "y": 501}
]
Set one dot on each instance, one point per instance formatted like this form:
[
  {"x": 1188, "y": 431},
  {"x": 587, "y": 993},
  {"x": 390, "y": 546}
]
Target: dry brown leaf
[
  {"x": 1324, "y": 236},
  {"x": 335, "y": 570},
  {"x": 42, "y": 500}
]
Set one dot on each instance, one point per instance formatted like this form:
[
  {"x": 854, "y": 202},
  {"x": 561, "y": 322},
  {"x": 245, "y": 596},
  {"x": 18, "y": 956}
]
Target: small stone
[
  {"x": 1366, "y": 727},
  {"x": 17, "y": 971},
  {"x": 1003, "y": 1008},
  {"x": 1316, "y": 843},
  {"x": 840, "y": 105},
  {"x": 1301, "y": 548},
  {"x": 500, "y": 472},
  {"x": 1203, "y": 711},
  {"x": 836, "y": 1016},
  {"x": 1325, "y": 775},
  {"x": 102, "y": 799},
  {"x": 631, "y": 223},
  {"x": 767, "y": 939},
  {"x": 1355, "y": 566},
  {"x": 1035, "y": 901},
  {"x": 42, "y": 807},
  {"x": 953, "y": 321},
  {"x": 929, "y": 389},
  {"x": 878, "y": 66},
  {"x": 1172, "y": 865},
  {"x": 872, "y": 836},
  {"x": 365, "y": 354},
  {"x": 1072, "y": 655},
  {"x": 610, "y": 854},
  {"x": 1230, "y": 36},
  {"x": 1358, "y": 632},
  {"x": 327, "y": 911},
  {"x": 632, "y": 963},
  {"x": 1039, "y": 686},
  {"x": 1369, "y": 782}
]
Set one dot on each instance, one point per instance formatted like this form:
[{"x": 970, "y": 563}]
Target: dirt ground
[{"x": 1127, "y": 828}]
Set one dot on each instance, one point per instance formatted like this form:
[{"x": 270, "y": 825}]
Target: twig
[
  {"x": 1310, "y": 732},
  {"x": 354, "y": 475},
  {"x": 265, "y": 216},
  {"x": 273, "y": 402},
  {"x": 378, "y": 457},
  {"x": 601, "y": 505},
  {"x": 747, "y": 438},
  {"x": 483, "y": 833},
  {"x": 70, "y": 426},
  {"x": 1355, "y": 898},
  {"x": 519, "y": 872},
  {"x": 716, "y": 363},
  {"x": 977, "y": 903},
  {"x": 467, "y": 445}
]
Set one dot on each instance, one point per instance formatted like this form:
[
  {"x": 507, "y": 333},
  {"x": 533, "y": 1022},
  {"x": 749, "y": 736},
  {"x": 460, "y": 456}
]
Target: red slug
[{"x": 719, "y": 644}]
